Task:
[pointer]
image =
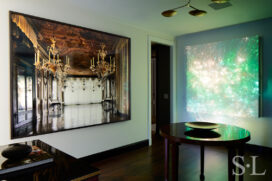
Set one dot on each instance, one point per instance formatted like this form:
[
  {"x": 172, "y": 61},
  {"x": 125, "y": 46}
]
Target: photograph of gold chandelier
[
  {"x": 102, "y": 68},
  {"x": 194, "y": 12},
  {"x": 53, "y": 65}
]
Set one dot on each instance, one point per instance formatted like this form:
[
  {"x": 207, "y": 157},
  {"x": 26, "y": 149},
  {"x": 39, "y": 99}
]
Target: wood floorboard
[{"x": 147, "y": 164}]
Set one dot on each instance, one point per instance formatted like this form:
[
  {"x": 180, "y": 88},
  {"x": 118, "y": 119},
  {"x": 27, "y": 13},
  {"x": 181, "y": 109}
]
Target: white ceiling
[{"x": 146, "y": 14}]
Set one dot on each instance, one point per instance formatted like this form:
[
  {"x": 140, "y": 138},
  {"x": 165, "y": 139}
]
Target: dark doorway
[{"x": 160, "y": 85}]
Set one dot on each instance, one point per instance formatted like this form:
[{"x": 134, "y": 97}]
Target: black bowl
[
  {"x": 200, "y": 133},
  {"x": 16, "y": 151}
]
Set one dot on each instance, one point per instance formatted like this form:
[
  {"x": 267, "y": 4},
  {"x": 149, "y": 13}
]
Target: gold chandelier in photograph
[
  {"x": 53, "y": 65},
  {"x": 102, "y": 68}
]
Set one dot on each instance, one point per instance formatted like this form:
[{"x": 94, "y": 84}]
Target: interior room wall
[
  {"x": 260, "y": 128},
  {"x": 86, "y": 141}
]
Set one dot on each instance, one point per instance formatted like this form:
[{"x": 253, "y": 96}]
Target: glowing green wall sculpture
[{"x": 223, "y": 78}]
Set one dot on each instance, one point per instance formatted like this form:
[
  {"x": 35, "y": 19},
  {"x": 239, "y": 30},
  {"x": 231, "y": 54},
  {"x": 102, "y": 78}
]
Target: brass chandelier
[
  {"x": 102, "y": 68},
  {"x": 194, "y": 12},
  {"x": 53, "y": 65}
]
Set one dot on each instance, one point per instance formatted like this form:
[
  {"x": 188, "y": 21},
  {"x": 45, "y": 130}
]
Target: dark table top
[
  {"x": 64, "y": 166},
  {"x": 223, "y": 135}
]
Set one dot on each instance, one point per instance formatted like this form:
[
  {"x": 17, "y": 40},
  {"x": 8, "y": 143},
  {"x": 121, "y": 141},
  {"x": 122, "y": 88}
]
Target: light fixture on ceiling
[
  {"x": 102, "y": 68},
  {"x": 52, "y": 63},
  {"x": 194, "y": 12},
  {"x": 220, "y": 1}
]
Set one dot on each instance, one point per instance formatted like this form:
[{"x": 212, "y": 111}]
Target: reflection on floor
[
  {"x": 69, "y": 117},
  {"x": 84, "y": 115},
  {"x": 147, "y": 164}
]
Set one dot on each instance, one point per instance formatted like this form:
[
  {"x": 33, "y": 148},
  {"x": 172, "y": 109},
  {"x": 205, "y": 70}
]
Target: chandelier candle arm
[
  {"x": 38, "y": 58},
  {"x": 35, "y": 59},
  {"x": 114, "y": 63},
  {"x": 49, "y": 56},
  {"x": 67, "y": 60}
]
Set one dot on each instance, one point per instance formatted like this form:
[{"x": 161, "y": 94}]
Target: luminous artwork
[
  {"x": 223, "y": 78},
  {"x": 65, "y": 77}
]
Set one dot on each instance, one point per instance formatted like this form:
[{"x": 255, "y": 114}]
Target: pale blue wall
[{"x": 260, "y": 128}]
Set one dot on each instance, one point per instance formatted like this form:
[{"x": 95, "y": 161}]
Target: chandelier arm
[
  {"x": 181, "y": 6},
  {"x": 188, "y": 4},
  {"x": 193, "y": 7}
]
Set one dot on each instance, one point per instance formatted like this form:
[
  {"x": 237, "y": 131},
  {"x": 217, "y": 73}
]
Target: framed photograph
[
  {"x": 65, "y": 77},
  {"x": 223, "y": 78}
]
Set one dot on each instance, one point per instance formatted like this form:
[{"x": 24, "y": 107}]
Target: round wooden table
[{"x": 231, "y": 137}]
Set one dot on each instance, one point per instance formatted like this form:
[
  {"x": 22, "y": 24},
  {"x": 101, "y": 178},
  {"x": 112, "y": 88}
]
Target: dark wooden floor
[{"x": 147, "y": 164}]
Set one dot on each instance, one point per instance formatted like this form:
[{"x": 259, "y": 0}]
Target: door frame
[{"x": 172, "y": 45}]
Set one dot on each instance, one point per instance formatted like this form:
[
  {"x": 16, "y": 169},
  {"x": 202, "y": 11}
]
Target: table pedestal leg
[
  {"x": 241, "y": 161},
  {"x": 202, "y": 177},
  {"x": 175, "y": 161},
  {"x": 166, "y": 159},
  {"x": 231, "y": 154}
]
